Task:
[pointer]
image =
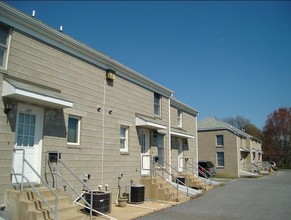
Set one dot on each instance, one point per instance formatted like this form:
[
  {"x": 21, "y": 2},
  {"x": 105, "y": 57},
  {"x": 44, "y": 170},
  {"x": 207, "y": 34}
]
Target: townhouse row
[{"x": 103, "y": 118}]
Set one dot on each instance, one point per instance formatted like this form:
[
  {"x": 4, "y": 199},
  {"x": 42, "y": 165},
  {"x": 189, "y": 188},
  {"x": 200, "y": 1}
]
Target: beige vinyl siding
[
  {"x": 207, "y": 151},
  {"x": 83, "y": 84},
  {"x": 189, "y": 144}
]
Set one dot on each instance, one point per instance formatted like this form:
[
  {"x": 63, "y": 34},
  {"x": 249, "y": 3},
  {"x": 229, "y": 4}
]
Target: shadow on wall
[{"x": 54, "y": 122}]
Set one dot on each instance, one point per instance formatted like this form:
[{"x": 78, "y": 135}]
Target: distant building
[{"x": 230, "y": 149}]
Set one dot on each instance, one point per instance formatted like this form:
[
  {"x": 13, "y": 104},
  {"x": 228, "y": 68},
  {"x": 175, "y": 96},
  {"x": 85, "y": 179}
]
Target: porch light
[
  {"x": 110, "y": 74},
  {"x": 8, "y": 107}
]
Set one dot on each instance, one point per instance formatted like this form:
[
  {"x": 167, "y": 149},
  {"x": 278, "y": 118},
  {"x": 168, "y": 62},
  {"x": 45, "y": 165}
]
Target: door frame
[
  {"x": 145, "y": 157},
  {"x": 39, "y": 112},
  {"x": 180, "y": 155}
]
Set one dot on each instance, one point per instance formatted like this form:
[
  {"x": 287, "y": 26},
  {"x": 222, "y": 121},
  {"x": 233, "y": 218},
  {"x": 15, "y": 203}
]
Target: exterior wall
[
  {"x": 257, "y": 149},
  {"x": 189, "y": 144},
  {"x": 207, "y": 151},
  {"x": 85, "y": 85},
  {"x": 6, "y": 146}
]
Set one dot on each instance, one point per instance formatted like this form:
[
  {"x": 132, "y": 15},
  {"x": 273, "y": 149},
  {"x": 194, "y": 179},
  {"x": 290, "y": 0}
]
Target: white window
[
  {"x": 4, "y": 45},
  {"x": 220, "y": 159},
  {"x": 157, "y": 104},
  {"x": 74, "y": 125},
  {"x": 123, "y": 139},
  {"x": 179, "y": 118},
  {"x": 219, "y": 140}
]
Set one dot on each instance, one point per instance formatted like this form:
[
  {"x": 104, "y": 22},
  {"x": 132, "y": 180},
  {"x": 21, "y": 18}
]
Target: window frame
[
  {"x": 78, "y": 132},
  {"x": 157, "y": 105},
  {"x": 218, "y": 159},
  {"x": 216, "y": 140},
  {"x": 6, "y": 48},
  {"x": 125, "y": 139},
  {"x": 179, "y": 118}
]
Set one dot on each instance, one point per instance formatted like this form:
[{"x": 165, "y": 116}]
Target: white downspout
[
  {"x": 103, "y": 132},
  {"x": 196, "y": 136},
  {"x": 169, "y": 138}
]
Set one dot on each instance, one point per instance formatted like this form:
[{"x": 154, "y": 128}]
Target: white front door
[
  {"x": 180, "y": 155},
  {"x": 145, "y": 152},
  {"x": 28, "y": 136}
]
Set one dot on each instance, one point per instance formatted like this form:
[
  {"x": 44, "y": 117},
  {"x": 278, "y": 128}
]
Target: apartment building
[{"x": 100, "y": 116}]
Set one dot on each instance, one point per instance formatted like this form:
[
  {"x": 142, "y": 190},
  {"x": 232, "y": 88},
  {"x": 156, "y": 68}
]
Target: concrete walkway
[{"x": 133, "y": 211}]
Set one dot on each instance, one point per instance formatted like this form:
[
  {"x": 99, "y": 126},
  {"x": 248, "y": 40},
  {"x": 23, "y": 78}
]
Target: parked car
[
  {"x": 206, "y": 168},
  {"x": 273, "y": 165}
]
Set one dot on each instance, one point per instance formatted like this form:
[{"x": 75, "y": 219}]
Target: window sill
[
  {"x": 74, "y": 146},
  {"x": 124, "y": 153},
  {"x": 220, "y": 168}
]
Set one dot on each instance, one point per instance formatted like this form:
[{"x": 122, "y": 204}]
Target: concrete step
[
  {"x": 65, "y": 211},
  {"x": 30, "y": 204}
]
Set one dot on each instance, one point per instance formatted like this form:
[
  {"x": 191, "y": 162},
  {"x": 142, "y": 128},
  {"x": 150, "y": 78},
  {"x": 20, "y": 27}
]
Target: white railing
[
  {"x": 156, "y": 169},
  {"x": 194, "y": 168},
  {"x": 56, "y": 158},
  {"x": 23, "y": 177}
]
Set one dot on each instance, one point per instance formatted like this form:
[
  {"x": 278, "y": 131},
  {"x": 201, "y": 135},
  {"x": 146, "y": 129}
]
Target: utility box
[
  {"x": 101, "y": 201},
  {"x": 137, "y": 194}
]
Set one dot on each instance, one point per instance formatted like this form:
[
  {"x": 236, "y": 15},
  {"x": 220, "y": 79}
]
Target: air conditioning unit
[{"x": 137, "y": 194}]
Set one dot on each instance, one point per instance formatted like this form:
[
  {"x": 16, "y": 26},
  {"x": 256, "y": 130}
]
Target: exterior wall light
[
  {"x": 110, "y": 74},
  {"x": 8, "y": 107}
]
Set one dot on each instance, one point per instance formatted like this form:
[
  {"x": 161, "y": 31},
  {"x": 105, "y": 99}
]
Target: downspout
[
  {"x": 238, "y": 155},
  {"x": 103, "y": 131},
  {"x": 196, "y": 135},
  {"x": 169, "y": 138}
]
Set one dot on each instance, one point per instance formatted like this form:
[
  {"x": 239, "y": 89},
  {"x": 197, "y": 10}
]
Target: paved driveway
[{"x": 267, "y": 197}]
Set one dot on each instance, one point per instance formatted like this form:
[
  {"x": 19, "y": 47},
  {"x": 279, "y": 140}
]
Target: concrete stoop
[
  {"x": 159, "y": 189},
  {"x": 196, "y": 183},
  {"x": 193, "y": 181},
  {"x": 28, "y": 206}
]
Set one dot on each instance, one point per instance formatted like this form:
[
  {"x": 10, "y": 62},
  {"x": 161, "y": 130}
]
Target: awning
[
  {"x": 182, "y": 135},
  {"x": 146, "y": 122},
  {"x": 243, "y": 149},
  {"x": 35, "y": 94}
]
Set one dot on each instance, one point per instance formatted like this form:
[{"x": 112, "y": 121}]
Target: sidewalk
[{"x": 133, "y": 211}]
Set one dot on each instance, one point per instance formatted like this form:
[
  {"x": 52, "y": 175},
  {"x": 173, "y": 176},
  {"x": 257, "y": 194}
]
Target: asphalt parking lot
[{"x": 267, "y": 197}]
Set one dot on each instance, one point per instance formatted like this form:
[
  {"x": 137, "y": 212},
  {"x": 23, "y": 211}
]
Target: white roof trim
[
  {"x": 148, "y": 124},
  {"x": 182, "y": 135},
  {"x": 29, "y": 95}
]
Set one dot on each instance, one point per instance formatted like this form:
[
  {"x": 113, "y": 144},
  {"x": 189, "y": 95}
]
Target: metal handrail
[
  {"x": 154, "y": 173},
  {"x": 256, "y": 167},
  {"x": 195, "y": 167},
  {"x": 85, "y": 186},
  {"x": 55, "y": 210},
  {"x": 165, "y": 170}
]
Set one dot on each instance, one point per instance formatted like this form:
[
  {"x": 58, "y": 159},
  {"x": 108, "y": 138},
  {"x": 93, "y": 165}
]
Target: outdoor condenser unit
[{"x": 137, "y": 194}]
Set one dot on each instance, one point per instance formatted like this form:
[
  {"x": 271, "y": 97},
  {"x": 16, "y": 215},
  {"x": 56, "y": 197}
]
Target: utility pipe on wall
[
  {"x": 103, "y": 131},
  {"x": 169, "y": 138}
]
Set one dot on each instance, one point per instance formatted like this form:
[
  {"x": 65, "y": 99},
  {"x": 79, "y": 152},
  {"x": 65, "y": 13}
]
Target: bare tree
[{"x": 245, "y": 125}]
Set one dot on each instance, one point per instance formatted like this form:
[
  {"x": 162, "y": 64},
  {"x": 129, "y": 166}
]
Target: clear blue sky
[{"x": 222, "y": 58}]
